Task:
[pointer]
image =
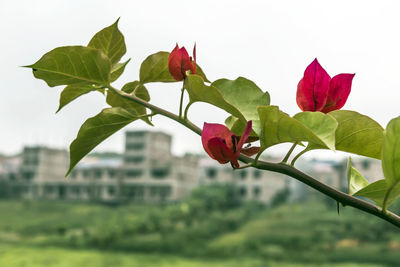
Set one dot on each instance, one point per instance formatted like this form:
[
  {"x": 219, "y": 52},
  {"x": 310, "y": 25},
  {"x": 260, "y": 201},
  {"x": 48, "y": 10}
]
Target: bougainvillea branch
[
  {"x": 341, "y": 197},
  {"x": 320, "y": 125}
]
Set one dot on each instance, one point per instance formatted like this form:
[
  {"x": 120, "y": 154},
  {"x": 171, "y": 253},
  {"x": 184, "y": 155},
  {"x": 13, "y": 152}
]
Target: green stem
[
  {"x": 186, "y": 111},
  {"x": 181, "y": 102},
  {"x": 298, "y": 156},
  {"x": 385, "y": 199},
  {"x": 285, "y": 159},
  {"x": 337, "y": 195}
]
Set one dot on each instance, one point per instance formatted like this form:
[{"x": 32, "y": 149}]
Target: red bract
[
  {"x": 222, "y": 145},
  {"x": 316, "y": 91},
  {"x": 179, "y": 62}
]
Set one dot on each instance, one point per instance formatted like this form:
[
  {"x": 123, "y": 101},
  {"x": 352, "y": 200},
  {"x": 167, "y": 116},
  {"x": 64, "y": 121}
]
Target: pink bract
[
  {"x": 179, "y": 62},
  {"x": 222, "y": 145},
  {"x": 316, "y": 91}
]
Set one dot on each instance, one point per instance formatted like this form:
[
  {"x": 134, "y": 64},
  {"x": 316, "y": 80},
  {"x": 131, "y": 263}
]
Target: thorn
[{"x": 338, "y": 208}]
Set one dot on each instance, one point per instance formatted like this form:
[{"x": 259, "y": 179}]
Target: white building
[{"x": 148, "y": 172}]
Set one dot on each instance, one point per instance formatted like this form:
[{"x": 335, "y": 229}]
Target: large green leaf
[
  {"x": 355, "y": 180},
  {"x": 135, "y": 88},
  {"x": 111, "y": 41},
  {"x": 117, "y": 69},
  {"x": 391, "y": 152},
  {"x": 278, "y": 127},
  {"x": 155, "y": 69},
  {"x": 71, "y": 92},
  {"x": 356, "y": 133},
  {"x": 378, "y": 191},
  {"x": 199, "y": 92},
  {"x": 73, "y": 65},
  {"x": 98, "y": 128},
  {"x": 391, "y": 158},
  {"x": 246, "y": 96}
]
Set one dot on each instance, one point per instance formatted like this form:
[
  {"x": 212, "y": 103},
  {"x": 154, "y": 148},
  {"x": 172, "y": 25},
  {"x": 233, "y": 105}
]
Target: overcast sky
[{"x": 269, "y": 42}]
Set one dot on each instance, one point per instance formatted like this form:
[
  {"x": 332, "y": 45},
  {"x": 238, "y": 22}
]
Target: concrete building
[
  {"x": 251, "y": 183},
  {"x": 148, "y": 172},
  {"x": 151, "y": 173}
]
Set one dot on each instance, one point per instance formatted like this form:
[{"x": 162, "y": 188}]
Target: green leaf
[
  {"x": 391, "y": 159},
  {"x": 155, "y": 69},
  {"x": 356, "y": 133},
  {"x": 355, "y": 180},
  {"x": 111, "y": 41},
  {"x": 391, "y": 152},
  {"x": 135, "y": 88},
  {"x": 199, "y": 92},
  {"x": 380, "y": 191},
  {"x": 278, "y": 127},
  {"x": 73, "y": 65},
  {"x": 98, "y": 128},
  {"x": 117, "y": 69},
  {"x": 71, "y": 92},
  {"x": 246, "y": 96},
  {"x": 377, "y": 192}
]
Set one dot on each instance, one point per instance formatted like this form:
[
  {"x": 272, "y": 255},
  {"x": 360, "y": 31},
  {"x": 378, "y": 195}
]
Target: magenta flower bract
[
  {"x": 179, "y": 62},
  {"x": 316, "y": 91},
  {"x": 222, "y": 145}
]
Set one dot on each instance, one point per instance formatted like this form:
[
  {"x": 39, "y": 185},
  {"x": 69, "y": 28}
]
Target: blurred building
[
  {"x": 148, "y": 172},
  {"x": 251, "y": 183}
]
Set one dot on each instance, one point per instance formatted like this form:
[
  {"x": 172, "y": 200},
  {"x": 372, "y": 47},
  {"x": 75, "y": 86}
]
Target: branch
[{"x": 337, "y": 195}]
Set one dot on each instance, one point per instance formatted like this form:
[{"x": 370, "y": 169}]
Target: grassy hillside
[{"x": 210, "y": 227}]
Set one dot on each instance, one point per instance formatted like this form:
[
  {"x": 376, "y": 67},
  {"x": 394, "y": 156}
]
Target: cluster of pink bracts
[{"x": 316, "y": 91}]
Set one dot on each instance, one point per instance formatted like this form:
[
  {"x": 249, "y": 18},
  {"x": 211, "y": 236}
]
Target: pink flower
[
  {"x": 316, "y": 91},
  {"x": 179, "y": 62},
  {"x": 222, "y": 145}
]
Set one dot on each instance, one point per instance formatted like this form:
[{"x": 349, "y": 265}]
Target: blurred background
[{"x": 150, "y": 196}]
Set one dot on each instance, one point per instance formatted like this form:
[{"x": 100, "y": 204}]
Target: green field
[
  {"x": 37, "y": 257},
  {"x": 209, "y": 229}
]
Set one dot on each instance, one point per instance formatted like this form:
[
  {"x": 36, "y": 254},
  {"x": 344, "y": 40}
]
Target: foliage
[{"x": 83, "y": 69}]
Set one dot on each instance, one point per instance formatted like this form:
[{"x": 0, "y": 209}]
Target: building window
[
  {"x": 134, "y": 159},
  {"x": 112, "y": 173},
  {"x": 98, "y": 174},
  {"x": 49, "y": 189},
  {"x": 242, "y": 191},
  {"x": 366, "y": 164},
  {"x": 28, "y": 175},
  {"x": 75, "y": 190},
  {"x": 135, "y": 134},
  {"x": 256, "y": 191},
  {"x": 135, "y": 146},
  {"x": 257, "y": 174},
  {"x": 243, "y": 174},
  {"x": 133, "y": 173},
  {"x": 211, "y": 173},
  {"x": 86, "y": 173},
  {"x": 160, "y": 173},
  {"x": 73, "y": 174},
  {"x": 111, "y": 190}
]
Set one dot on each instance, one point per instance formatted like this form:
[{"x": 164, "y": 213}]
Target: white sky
[{"x": 269, "y": 42}]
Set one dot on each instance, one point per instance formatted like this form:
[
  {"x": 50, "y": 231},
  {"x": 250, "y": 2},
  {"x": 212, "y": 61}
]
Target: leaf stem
[
  {"x": 286, "y": 169},
  {"x": 385, "y": 199},
  {"x": 181, "y": 102},
  {"x": 298, "y": 156},
  {"x": 285, "y": 159}
]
